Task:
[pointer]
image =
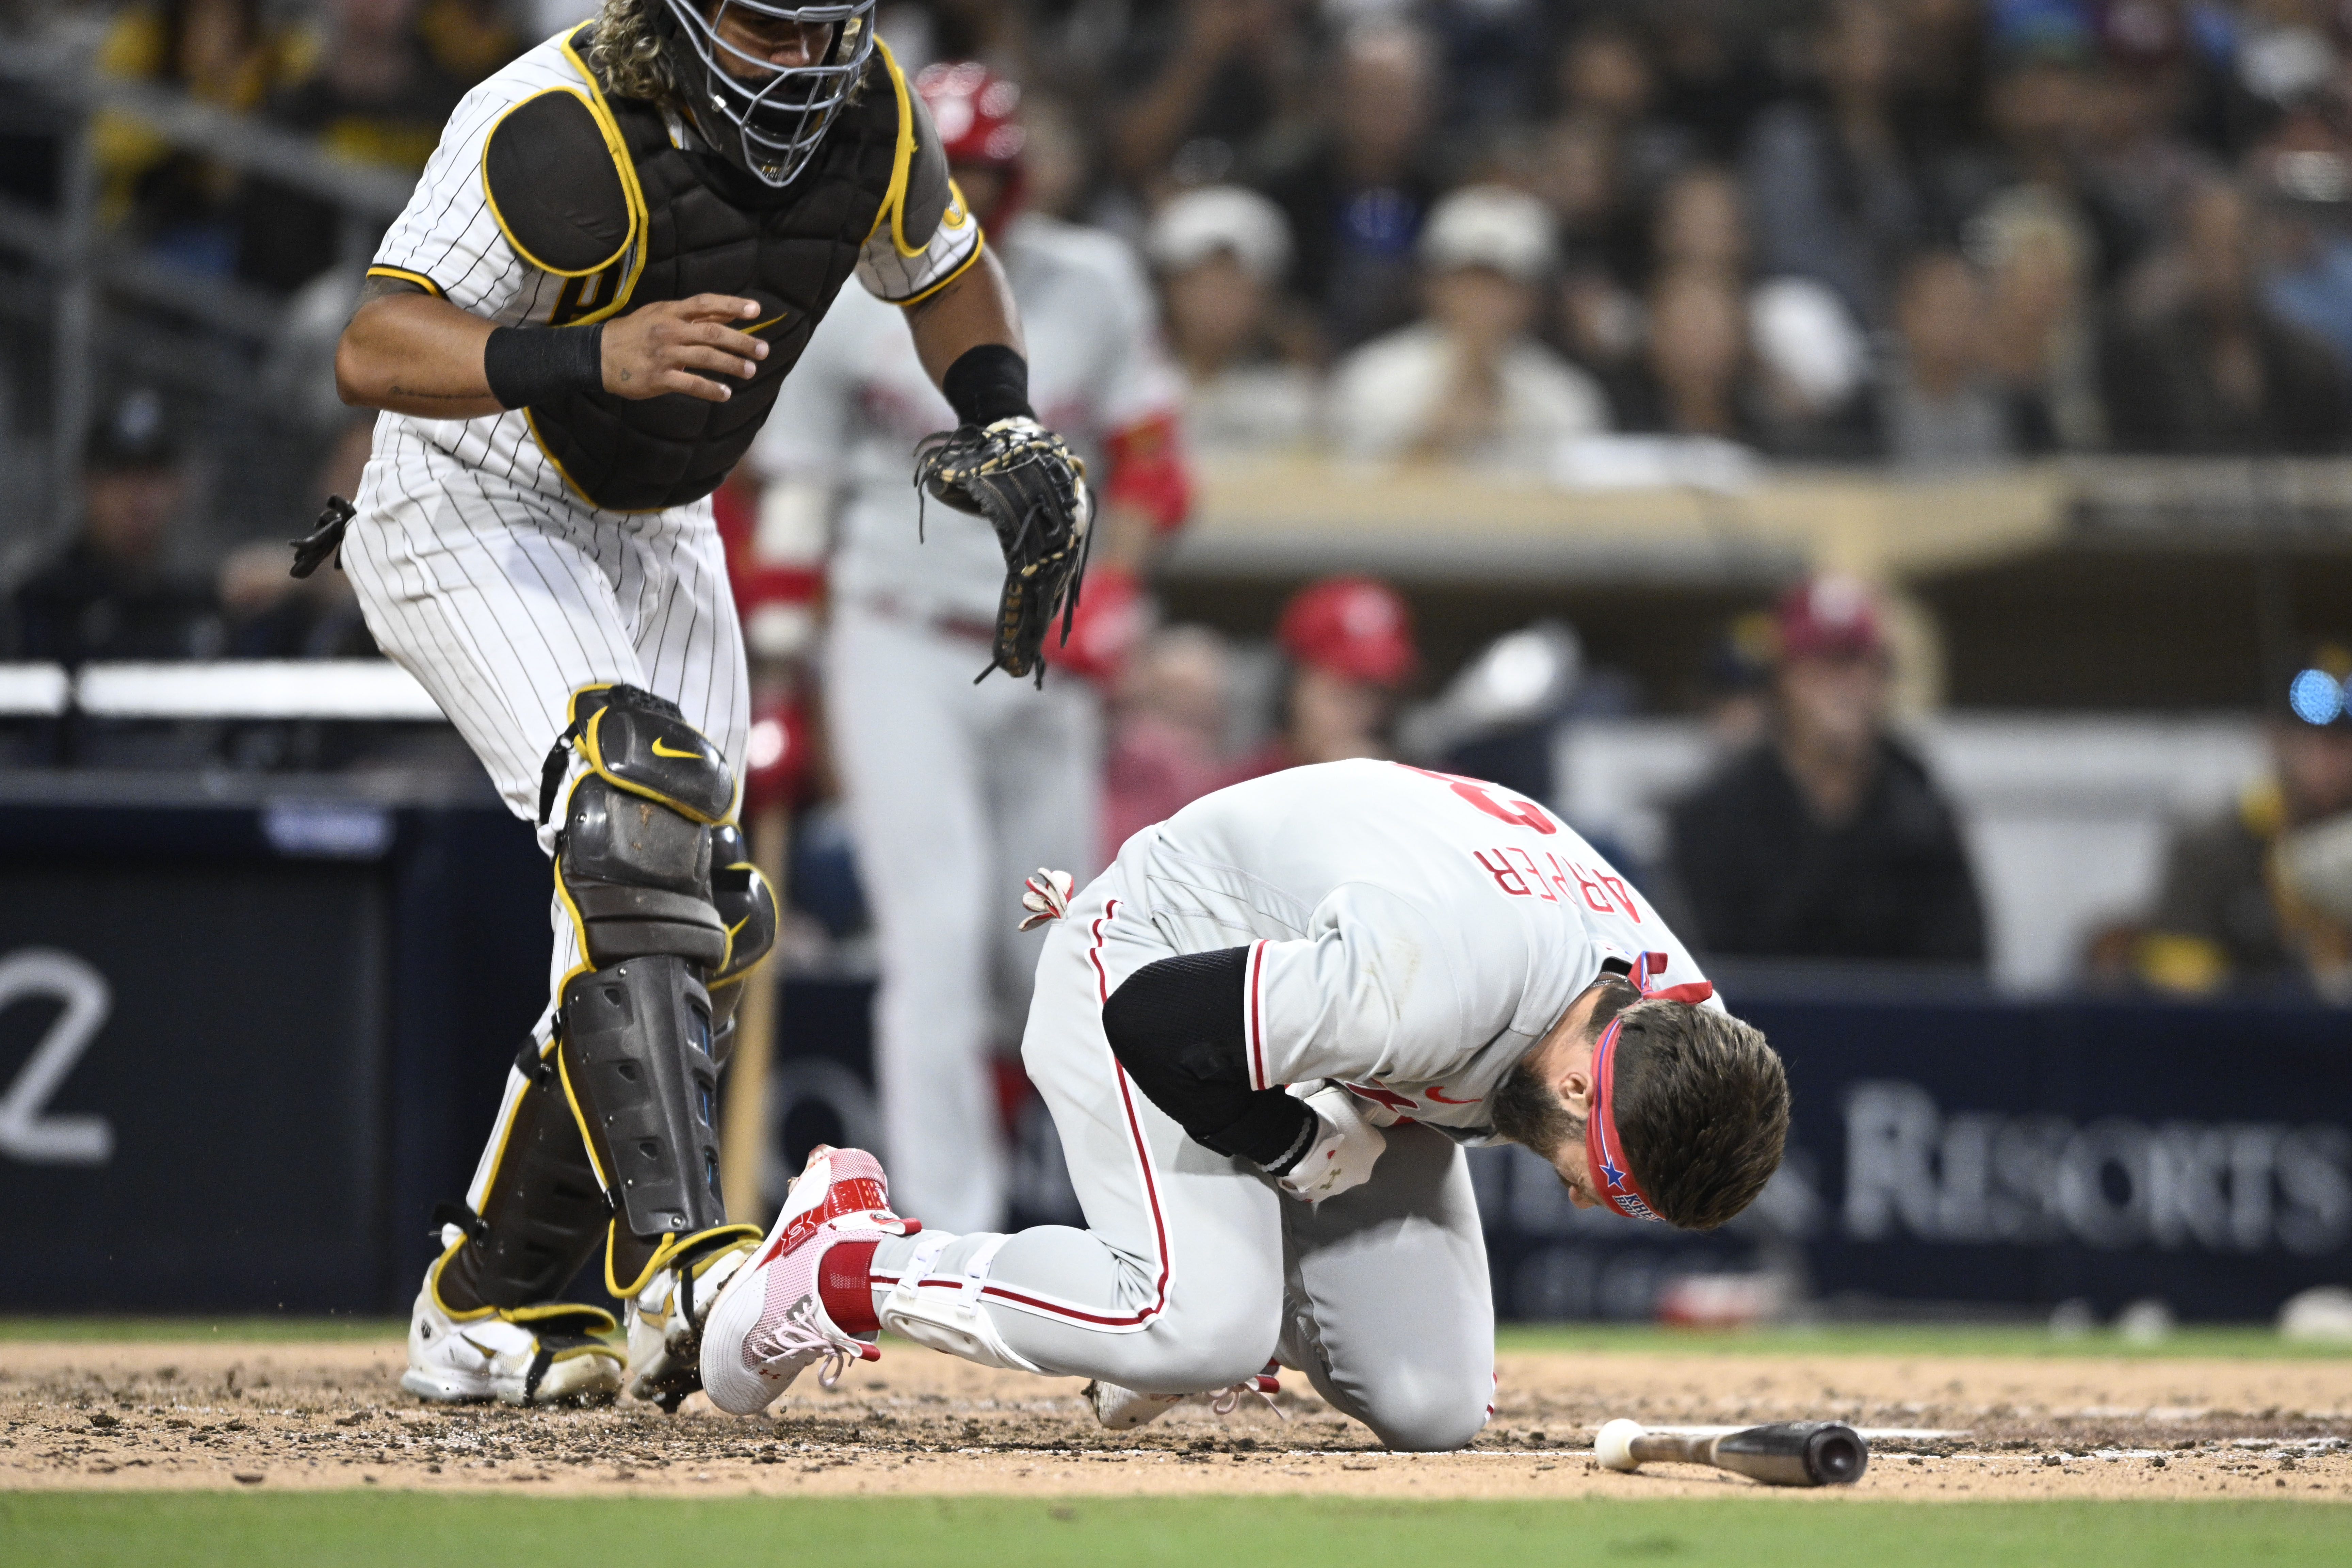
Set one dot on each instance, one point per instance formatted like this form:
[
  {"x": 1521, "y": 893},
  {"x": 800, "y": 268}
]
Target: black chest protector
[{"x": 686, "y": 224}]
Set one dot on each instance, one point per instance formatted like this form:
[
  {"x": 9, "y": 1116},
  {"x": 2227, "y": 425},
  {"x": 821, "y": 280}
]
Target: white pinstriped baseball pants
[
  {"x": 503, "y": 601},
  {"x": 1193, "y": 1268}
]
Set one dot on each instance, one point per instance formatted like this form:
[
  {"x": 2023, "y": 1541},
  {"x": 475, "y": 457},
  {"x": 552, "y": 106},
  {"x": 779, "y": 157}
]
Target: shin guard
[
  {"x": 539, "y": 1213},
  {"x": 637, "y": 1062}
]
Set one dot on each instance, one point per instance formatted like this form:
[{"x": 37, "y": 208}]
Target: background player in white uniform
[
  {"x": 1384, "y": 943},
  {"x": 955, "y": 790},
  {"x": 575, "y": 328}
]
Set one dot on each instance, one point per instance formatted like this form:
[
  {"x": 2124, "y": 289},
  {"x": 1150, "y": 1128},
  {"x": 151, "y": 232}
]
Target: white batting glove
[
  {"x": 1047, "y": 897},
  {"x": 1347, "y": 1145}
]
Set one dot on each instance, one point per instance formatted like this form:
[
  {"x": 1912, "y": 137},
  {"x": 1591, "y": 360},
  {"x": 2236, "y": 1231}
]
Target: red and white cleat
[
  {"x": 1123, "y": 1409},
  {"x": 770, "y": 1322}
]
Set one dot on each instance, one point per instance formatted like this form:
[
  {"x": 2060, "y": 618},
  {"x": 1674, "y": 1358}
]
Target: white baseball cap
[
  {"x": 1200, "y": 223},
  {"x": 1490, "y": 226}
]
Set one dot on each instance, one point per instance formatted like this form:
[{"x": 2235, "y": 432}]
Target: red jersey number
[{"x": 1518, "y": 812}]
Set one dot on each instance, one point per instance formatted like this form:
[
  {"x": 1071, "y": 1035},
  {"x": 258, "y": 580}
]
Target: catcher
[{"x": 574, "y": 330}]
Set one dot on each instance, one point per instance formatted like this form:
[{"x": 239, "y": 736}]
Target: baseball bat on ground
[{"x": 1783, "y": 1453}]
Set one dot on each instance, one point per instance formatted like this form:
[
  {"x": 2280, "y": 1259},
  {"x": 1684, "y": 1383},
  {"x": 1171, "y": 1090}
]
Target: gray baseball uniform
[{"x": 1411, "y": 935}]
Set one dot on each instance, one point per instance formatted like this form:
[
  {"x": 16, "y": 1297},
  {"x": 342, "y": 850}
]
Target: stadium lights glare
[{"x": 2317, "y": 697}]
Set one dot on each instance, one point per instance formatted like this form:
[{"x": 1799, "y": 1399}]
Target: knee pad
[
  {"x": 747, "y": 909},
  {"x": 634, "y": 855},
  {"x": 543, "y": 1211}
]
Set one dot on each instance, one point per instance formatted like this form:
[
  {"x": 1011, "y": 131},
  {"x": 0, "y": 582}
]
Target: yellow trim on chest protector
[
  {"x": 640, "y": 220},
  {"x": 490, "y": 194},
  {"x": 894, "y": 200}
]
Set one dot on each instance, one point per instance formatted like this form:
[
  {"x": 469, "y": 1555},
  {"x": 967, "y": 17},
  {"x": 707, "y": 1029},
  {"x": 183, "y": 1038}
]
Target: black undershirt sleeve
[{"x": 1176, "y": 1028}]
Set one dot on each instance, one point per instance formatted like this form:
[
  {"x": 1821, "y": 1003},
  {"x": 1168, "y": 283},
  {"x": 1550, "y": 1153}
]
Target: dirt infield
[{"x": 212, "y": 1416}]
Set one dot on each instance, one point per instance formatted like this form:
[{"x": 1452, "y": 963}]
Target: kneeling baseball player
[{"x": 1266, "y": 1035}]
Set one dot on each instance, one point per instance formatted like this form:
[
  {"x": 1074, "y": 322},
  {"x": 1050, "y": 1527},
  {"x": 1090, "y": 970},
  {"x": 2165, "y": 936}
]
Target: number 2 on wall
[{"x": 26, "y": 1133}]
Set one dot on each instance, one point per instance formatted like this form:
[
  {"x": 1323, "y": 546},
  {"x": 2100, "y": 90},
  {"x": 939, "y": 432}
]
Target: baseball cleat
[
  {"x": 665, "y": 1319},
  {"x": 770, "y": 1322},
  {"x": 1124, "y": 1409},
  {"x": 545, "y": 1354}
]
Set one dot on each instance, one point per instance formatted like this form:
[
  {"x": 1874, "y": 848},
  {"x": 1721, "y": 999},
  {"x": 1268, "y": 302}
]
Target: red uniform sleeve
[{"x": 1148, "y": 472}]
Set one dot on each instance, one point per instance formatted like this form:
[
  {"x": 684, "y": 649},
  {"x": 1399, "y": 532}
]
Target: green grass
[
  {"x": 1906, "y": 1339},
  {"x": 331, "y": 1530}
]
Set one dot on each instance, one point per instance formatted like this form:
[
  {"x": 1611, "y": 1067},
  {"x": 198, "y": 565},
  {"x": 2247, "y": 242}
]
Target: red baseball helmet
[
  {"x": 974, "y": 109},
  {"x": 1832, "y": 618},
  {"x": 1355, "y": 626}
]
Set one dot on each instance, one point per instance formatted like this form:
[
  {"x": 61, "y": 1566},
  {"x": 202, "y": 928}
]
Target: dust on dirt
[{"x": 149, "y": 1415}]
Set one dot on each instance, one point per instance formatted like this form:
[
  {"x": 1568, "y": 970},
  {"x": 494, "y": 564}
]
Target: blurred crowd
[
  {"x": 1936, "y": 232},
  {"x": 1817, "y": 834},
  {"x": 1501, "y": 233}
]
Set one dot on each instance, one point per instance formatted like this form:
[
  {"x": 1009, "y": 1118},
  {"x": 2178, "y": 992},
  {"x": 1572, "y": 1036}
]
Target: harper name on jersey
[
  {"x": 551, "y": 202},
  {"x": 1417, "y": 963}
]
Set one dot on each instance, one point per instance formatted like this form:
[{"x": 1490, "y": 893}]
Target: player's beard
[{"x": 1528, "y": 1111}]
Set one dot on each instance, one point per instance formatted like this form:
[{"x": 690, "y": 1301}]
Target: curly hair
[
  {"x": 631, "y": 57},
  {"x": 628, "y": 55}
]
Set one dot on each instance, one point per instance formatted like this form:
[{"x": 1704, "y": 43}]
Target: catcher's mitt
[{"x": 1032, "y": 489}]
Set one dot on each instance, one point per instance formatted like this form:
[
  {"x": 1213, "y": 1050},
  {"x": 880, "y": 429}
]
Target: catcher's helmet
[
  {"x": 767, "y": 119},
  {"x": 974, "y": 109}
]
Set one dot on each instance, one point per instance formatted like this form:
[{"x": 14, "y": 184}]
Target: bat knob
[
  {"x": 1837, "y": 1456},
  {"x": 1613, "y": 1445}
]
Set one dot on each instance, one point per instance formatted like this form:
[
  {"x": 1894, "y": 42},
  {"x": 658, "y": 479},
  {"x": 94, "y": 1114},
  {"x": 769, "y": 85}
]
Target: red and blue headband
[{"x": 1604, "y": 1153}]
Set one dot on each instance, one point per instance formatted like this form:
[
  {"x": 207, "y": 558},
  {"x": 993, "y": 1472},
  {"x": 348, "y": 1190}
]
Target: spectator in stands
[
  {"x": 1571, "y": 166},
  {"x": 1827, "y": 840},
  {"x": 272, "y": 614},
  {"x": 2208, "y": 368},
  {"x": 1940, "y": 80},
  {"x": 1220, "y": 253},
  {"x": 113, "y": 592},
  {"x": 1469, "y": 384},
  {"x": 2040, "y": 336},
  {"x": 2307, "y": 250},
  {"x": 1699, "y": 224},
  {"x": 1695, "y": 376},
  {"x": 377, "y": 95},
  {"x": 2227, "y": 914},
  {"x": 1199, "y": 82},
  {"x": 1606, "y": 82},
  {"x": 1167, "y": 731},
  {"x": 1495, "y": 54},
  {"x": 1780, "y": 366},
  {"x": 2137, "y": 163},
  {"x": 1939, "y": 404},
  {"x": 1349, "y": 641},
  {"x": 1357, "y": 191},
  {"x": 220, "y": 52},
  {"x": 1831, "y": 194},
  {"x": 1711, "y": 73}
]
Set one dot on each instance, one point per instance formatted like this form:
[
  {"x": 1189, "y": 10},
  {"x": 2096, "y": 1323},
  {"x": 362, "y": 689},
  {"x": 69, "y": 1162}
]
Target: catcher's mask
[{"x": 768, "y": 118}]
